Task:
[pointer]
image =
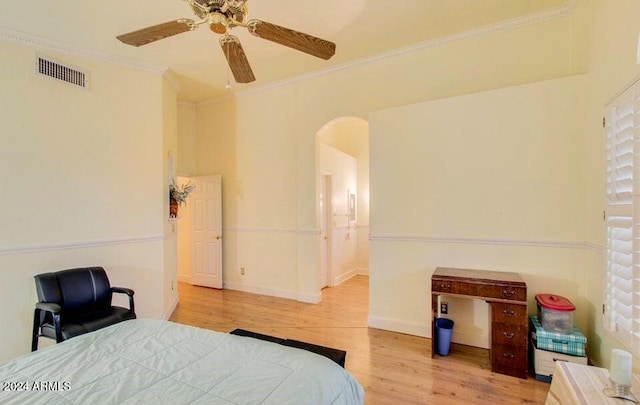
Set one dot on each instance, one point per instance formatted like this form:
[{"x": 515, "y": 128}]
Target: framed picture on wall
[{"x": 351, "y": 203}]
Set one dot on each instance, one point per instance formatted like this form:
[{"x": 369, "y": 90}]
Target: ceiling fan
[{"x": 222, "y": 16}]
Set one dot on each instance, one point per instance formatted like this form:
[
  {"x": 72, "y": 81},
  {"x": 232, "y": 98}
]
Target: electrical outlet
[
  {"x": 242, "y": 271},
  {"x": 444, "y": 308}
]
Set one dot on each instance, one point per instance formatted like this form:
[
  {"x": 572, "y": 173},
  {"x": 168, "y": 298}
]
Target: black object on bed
[{"x": 338, "y": 356}]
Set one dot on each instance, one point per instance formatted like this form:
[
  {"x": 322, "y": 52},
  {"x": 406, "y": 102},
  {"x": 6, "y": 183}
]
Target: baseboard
[
  {"x": 272, "y": 292},
  {"x": 469, "y": 339},
  {"x": 394, "y": 325},
  {"x": 418, "y": 329},
  {"x": 344, "y": 277},
  {"x": 171, "y": 308},
  {"x": 310, "y": 298}
]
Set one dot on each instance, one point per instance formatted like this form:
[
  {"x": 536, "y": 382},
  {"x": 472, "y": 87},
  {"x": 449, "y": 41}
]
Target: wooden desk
[
  {"x": 507, "y": 295},
  {"x": 577, "y": 384}
]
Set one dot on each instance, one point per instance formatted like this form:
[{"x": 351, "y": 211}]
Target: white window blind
[{"x": 622, "y": 306}]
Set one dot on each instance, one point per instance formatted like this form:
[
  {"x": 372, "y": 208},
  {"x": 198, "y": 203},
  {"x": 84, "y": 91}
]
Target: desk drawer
[
  {"x": 475, "y": 289},
  {"x": 504, "y": 334},
  {"x": 511, "y": 360},
  {"x": 507, "y": 292},
  {"x": 509, "y": 313},
  {"x": 454, "y": 287}
]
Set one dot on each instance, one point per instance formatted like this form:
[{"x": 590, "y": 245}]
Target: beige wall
[
  {"x": 82, "y": 180},
  {"x": 187, "y": 143},
  {"x": 263, "y": 142},
  {"x": 492, "y": 180}
]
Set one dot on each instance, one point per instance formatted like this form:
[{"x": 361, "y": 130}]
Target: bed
[{"x": 148, "y": 361}]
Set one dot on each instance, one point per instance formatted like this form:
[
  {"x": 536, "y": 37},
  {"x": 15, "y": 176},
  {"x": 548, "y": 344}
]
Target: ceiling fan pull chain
[{"x": 228, "y": 85}]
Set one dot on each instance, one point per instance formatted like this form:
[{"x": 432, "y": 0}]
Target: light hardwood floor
[{"x": 393, "y": 368}]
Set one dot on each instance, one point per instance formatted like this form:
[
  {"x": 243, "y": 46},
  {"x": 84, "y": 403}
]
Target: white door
[{"x": 206, "y": 231}]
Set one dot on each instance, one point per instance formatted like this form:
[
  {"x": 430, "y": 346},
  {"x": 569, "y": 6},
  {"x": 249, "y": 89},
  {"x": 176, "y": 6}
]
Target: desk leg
[{"x": 434, "y": 312}]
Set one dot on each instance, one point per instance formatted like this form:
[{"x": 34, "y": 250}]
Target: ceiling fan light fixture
[
  {"x": 218, "y": 28},
  {"x": 218, "y": 23}
]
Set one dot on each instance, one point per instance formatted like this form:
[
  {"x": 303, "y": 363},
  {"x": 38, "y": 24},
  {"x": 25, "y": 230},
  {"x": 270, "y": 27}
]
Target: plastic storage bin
[
  {"x": 573, "y": 344},
  {"x": 555, "y": 313},
  {"x": 544, "y": 362}
]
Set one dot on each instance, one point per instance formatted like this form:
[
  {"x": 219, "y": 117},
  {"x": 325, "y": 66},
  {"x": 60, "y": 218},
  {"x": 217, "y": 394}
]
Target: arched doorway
[{"x": 343, "y": 199}]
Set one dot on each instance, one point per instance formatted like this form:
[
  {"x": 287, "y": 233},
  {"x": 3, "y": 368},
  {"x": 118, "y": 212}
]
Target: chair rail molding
[
  {"x": 382, "y": 237},
  {"x": 79, "y": 245}
]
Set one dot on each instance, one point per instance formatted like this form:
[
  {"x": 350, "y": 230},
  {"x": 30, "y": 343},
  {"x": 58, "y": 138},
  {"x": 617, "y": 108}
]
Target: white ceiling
[{"x": 360, "y": 29}]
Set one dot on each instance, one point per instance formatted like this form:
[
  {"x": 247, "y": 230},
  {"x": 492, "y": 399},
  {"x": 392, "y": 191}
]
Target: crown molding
[
  {"x": 518, "y": 22},
  {"x": 216, "y": 100},
  {"x": 38, "y": 42}
]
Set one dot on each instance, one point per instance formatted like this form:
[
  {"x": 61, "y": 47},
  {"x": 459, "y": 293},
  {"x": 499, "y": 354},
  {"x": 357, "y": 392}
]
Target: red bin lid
[{"x": 555, "y": 302}]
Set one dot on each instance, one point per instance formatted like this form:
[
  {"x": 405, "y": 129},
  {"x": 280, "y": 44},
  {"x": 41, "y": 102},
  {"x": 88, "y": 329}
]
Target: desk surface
[
  {"x": 478, "y": 275},
  {"x": 580, "y": 384}
]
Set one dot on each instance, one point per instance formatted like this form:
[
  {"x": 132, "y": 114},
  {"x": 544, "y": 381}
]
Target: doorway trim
[{"x": 326, "y": 215}]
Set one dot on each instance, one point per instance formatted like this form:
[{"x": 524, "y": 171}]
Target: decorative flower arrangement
[{"x": 180, "y": 193}]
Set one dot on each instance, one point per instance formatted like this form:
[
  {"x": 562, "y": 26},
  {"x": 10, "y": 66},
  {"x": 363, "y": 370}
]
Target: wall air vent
[{"x": 58, "y": 71}]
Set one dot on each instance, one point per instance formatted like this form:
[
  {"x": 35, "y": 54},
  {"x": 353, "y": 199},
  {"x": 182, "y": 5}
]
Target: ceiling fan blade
[
  {"x": 293, "y": 39},
  {"x": 157, "y": 32},
  {"x": 237, "y": 59}
]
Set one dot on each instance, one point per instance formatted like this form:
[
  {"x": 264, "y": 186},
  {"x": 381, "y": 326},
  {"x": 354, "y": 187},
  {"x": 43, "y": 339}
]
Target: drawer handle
[
  {"x": 508, "y": 335},
  {"x": 509, "y": 312},
  {"x": 510, "y": 355},
  {"x": 508, "y": 293},
  {"x": 445, "y": 286}
]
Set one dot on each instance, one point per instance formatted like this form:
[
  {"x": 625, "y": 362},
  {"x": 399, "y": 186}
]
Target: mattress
[{"x": 147, "y": 361}]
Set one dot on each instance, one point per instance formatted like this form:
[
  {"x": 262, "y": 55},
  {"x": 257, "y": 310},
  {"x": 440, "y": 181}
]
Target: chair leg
[
  {"x": 36, "y": 330},
  {"x": 58, "y": 328}
]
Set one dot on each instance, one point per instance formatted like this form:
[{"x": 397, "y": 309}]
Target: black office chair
[{"x": 76, "y": 301}]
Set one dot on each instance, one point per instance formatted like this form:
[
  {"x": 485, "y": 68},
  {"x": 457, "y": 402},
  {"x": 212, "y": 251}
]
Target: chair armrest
[
  {"x": 38, "y": 317},
  {"x": 130, "y": 293},
  {"x": 49, "y": 307},
  {"x": 123, "y": 290}
]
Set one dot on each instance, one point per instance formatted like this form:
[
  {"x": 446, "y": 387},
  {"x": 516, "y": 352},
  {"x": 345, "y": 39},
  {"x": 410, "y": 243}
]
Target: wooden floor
[{"x": 393, "y": 368}]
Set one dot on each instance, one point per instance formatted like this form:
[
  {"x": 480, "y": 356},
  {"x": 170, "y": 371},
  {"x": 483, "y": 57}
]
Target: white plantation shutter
[{"x": 622, "y": 306}]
